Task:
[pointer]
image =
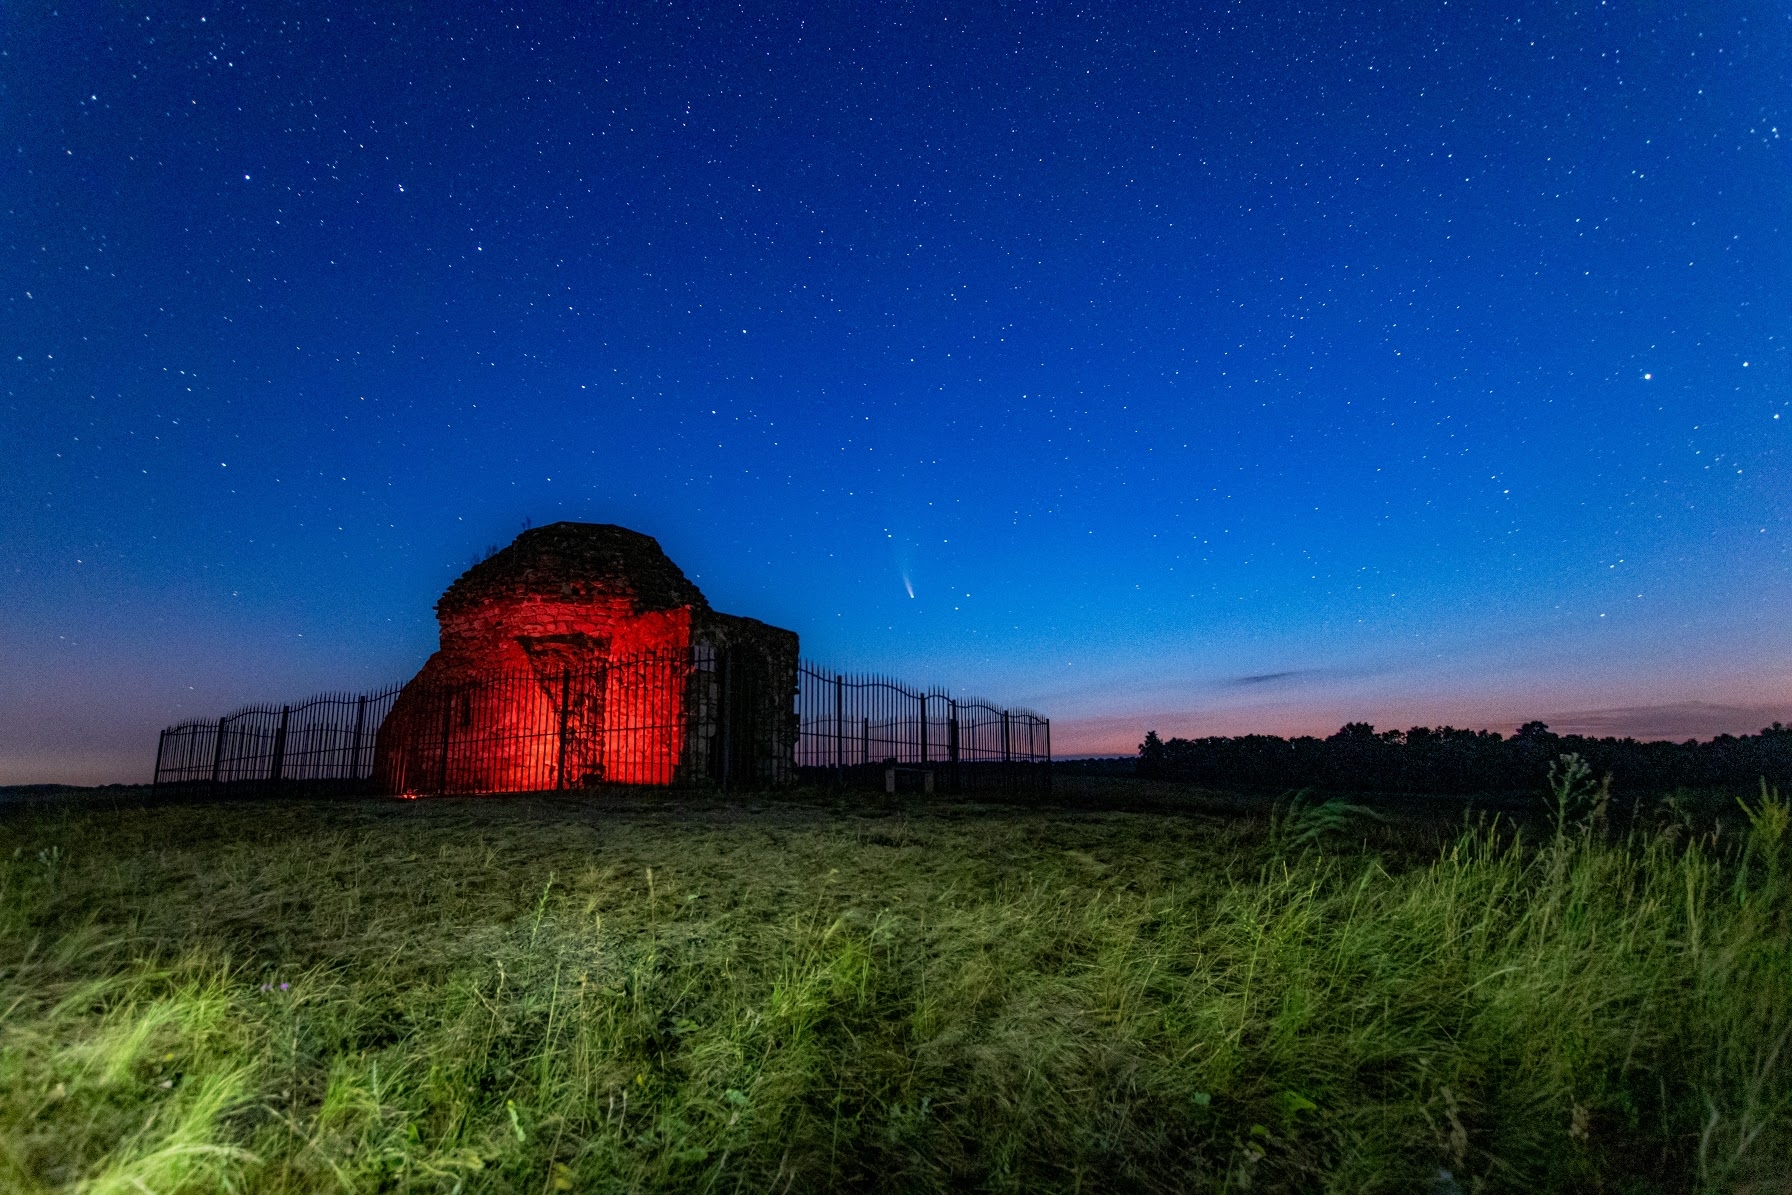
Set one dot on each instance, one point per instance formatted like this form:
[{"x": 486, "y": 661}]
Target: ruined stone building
[{"x": 581, "y": 655}]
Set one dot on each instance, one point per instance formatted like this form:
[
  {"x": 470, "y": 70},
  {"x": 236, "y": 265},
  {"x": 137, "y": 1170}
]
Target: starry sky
[{"x": 1210, "y": 368}]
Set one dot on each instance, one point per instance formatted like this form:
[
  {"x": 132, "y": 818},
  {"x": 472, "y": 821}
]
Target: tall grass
[{"x": 637, "y": 995}]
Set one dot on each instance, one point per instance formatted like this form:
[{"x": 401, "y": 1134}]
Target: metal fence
[
  {"x": 698, "y": 718},
  {"x": 326, "y": 743},
  {"x": 873, "y": 731}
]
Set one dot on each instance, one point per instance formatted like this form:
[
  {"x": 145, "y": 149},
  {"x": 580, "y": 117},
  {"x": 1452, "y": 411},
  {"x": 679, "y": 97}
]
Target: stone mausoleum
[{"x": 582, "y": 655}]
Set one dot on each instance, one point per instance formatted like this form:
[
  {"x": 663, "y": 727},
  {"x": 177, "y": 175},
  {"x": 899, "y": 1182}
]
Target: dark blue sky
[{"x": 1211, "y": 368}]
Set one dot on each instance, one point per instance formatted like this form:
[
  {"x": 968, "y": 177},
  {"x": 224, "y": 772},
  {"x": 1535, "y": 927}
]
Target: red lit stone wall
[{"x": 521, "y": 634}]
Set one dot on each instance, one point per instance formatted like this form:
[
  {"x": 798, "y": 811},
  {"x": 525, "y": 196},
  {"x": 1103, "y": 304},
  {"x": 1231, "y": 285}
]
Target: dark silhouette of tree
[
  {"x": 1446, "y": 760},
  {"x": 1151, "y": 754}
]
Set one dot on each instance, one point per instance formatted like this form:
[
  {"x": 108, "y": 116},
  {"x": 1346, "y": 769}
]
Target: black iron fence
[
  {"x": 875, "y": 732},
  {"x": 325, "y": 744},
  {"x": 697, "y": 718}
]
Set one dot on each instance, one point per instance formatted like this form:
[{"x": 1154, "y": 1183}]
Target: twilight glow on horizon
[{"x": 1201, "y": 368}]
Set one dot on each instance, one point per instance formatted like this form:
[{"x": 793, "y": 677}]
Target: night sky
[{"x": 1210, "y": 368}]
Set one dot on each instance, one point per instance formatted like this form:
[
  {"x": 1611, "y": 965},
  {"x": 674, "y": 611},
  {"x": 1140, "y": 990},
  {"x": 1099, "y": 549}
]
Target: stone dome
[{"x": 576, "y": 560}]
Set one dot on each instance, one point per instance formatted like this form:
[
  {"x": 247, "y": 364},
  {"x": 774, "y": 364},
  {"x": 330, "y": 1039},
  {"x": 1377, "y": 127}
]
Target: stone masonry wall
[{"x": 570, "y": 599}]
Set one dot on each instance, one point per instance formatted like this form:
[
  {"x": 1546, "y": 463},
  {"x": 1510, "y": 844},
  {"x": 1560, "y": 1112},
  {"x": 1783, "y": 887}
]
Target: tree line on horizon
[{"x": 1446, "y": 760}]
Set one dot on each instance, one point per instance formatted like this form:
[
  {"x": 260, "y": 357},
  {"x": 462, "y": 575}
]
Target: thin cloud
[
  {"x": 1676, "y": 720},
  {"x": 1266, "y": 678}
]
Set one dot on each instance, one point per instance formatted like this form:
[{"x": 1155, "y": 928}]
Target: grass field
[{"x": 640, "y": 992}]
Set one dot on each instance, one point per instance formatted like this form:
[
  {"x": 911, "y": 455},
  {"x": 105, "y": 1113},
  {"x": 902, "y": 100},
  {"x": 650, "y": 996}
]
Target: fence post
[
  {"x": 276, "y": 764},
  {"x": 839, "y": 731},
  {"x": 447, "y": 731},
  {"x": 725, "y": 713},
  {"x": 952, "y": 742},
  {"x": 354, "y": 765},
  {"x": 565, "y": 706},
  {"x": 865, "y": 741},
  {"x": 1032, "y": 746},
  {"x": 155, "y": 781},
  {"x": 218, "y": 755},
  {"x": 1007, "y": 755},
  {"x": 923, "y": 760}
]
